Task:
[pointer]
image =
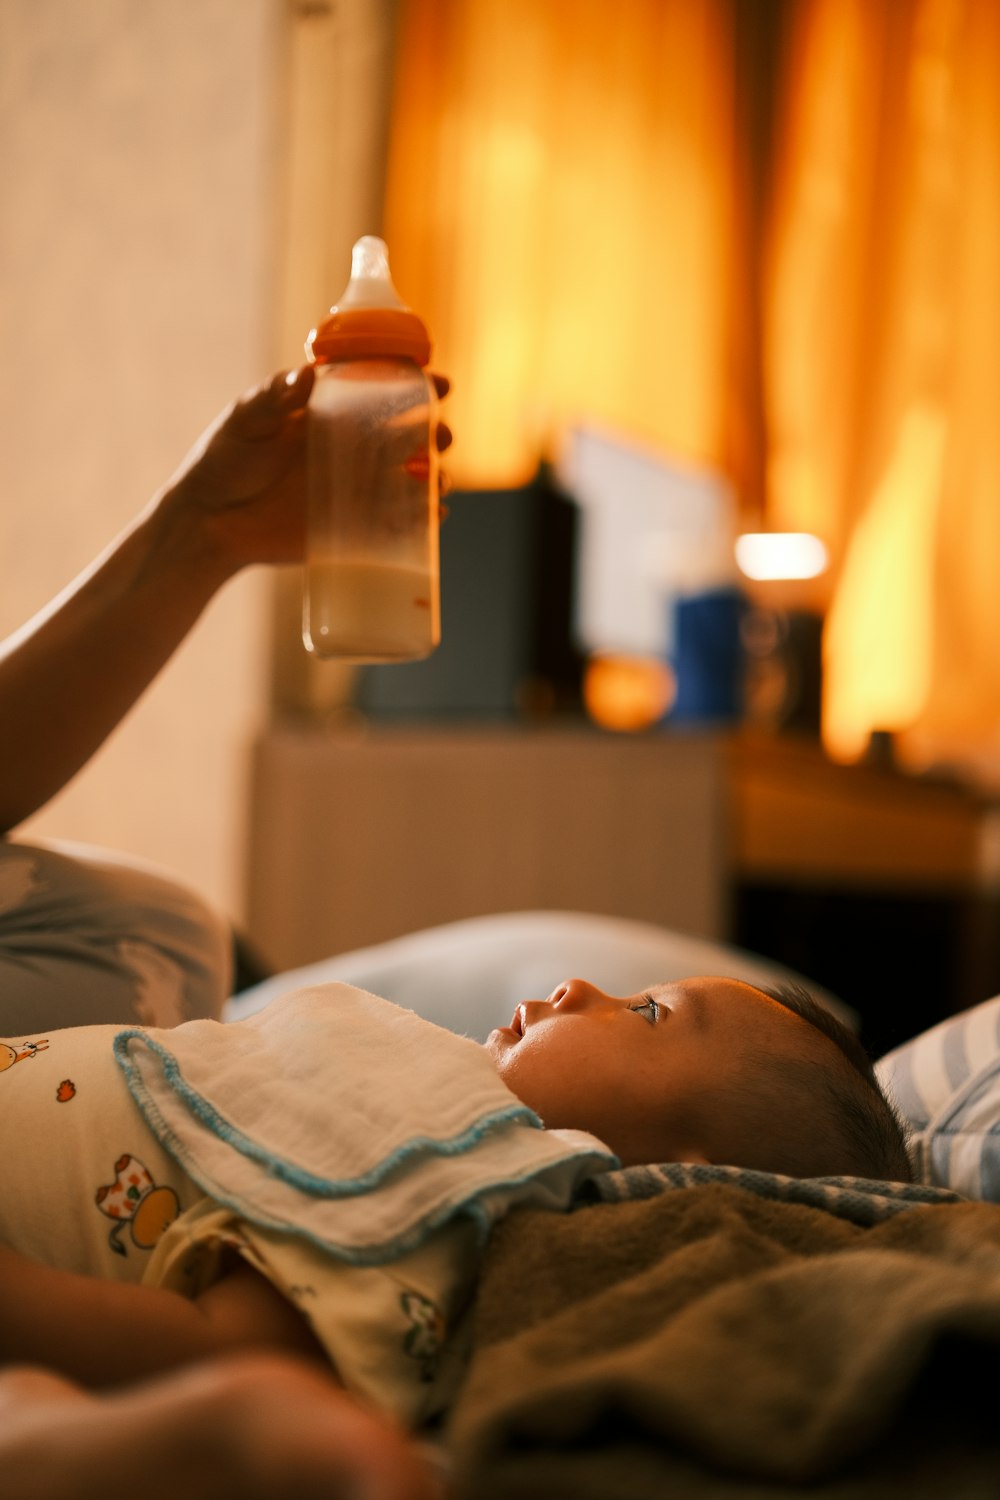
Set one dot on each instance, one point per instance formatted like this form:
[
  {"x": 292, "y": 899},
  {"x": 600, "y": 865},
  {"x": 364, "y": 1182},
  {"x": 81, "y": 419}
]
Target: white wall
[{"x": 141, "y": 149}]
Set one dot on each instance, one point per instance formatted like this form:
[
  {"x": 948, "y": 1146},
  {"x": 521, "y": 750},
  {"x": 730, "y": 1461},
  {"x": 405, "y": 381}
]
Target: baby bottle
[{"x": 372, "y": 588}]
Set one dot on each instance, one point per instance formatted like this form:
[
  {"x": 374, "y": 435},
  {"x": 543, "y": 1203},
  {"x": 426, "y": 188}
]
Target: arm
[
  {"x": 104, "y": 1332},
  {"x": 72, "y": 673},
  {"x": 69, "y": 676}
]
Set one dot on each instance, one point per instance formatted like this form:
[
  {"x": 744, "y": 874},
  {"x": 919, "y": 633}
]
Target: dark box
[{"x": 508, "y": 560}]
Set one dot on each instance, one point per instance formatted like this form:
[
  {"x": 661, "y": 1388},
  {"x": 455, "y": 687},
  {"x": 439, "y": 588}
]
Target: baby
[
  {"x": 701, "y": 1070},
  {"x": 721, "y": 1072}
]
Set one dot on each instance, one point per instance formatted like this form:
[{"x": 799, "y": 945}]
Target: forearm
[
  {"x": 70, "y": 675},
  {"x": 102, "y": 1333},
  {"x": 74, "y": 671}
]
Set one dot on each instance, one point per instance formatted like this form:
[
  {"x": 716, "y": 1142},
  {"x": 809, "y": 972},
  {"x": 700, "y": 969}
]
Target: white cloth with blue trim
[{"x": 340, "y": 1117}]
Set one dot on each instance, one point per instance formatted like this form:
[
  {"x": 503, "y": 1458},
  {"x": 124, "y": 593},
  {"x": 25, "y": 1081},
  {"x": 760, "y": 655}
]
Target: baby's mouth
[{"x": 517, "y": 1024}]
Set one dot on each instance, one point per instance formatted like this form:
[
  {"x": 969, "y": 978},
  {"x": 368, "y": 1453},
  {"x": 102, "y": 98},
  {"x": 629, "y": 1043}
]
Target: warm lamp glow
[
  {"x": 627, "y": 693},
  {"x": 780, "y": 554}
]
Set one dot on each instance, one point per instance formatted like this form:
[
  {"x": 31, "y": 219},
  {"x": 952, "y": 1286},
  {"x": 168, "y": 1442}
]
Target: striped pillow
[{"x": 946, "y": 1084}]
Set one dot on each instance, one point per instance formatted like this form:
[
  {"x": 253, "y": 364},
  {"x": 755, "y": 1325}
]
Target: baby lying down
[
  {"x": 322, "y": 1177},
  {"x": 721, "y": 1072}
]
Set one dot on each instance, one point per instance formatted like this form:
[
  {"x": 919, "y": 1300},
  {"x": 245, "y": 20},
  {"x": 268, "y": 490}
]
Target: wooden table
[
  {"x": 884, "y": 887},
  {"x": 797, "y": 816}
]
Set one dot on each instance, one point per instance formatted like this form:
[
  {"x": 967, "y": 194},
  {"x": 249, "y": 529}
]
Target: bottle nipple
[
  {"x": 370, "y": 319},
  {"x": 371, "y": 281}
]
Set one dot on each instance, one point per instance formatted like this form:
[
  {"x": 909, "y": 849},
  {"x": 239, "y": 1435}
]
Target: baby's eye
[{"x": 649, "y": 1008}]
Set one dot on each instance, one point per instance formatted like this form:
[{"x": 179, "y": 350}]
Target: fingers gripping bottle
[{"x": 372, "y": 573}]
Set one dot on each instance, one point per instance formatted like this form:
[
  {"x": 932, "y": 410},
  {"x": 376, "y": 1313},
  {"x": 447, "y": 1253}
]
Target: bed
[
  {"x": 683, "y": 1331},
  {"x": 711, "y": 1332}
]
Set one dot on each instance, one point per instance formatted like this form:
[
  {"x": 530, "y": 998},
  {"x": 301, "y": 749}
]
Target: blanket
[{"x": 708, "y": 1342}]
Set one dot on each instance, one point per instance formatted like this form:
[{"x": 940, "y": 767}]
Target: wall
[{"x": 142, "y": 151}]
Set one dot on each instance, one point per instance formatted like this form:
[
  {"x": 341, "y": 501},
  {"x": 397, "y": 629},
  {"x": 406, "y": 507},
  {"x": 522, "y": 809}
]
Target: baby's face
[{"x": 639, "y": 1072}]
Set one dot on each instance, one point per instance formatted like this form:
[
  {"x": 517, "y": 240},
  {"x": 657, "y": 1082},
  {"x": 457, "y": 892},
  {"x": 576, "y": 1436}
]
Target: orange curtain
[
  {"x": 568, "y": 204},
  {"x": 559, "y": 206},
  {"x": 882, "y": 360}
]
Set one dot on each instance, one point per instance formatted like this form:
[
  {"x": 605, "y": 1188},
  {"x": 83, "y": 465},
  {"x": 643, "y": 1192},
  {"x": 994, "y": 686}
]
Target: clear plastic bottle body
[{"x": 372, "y": 590}]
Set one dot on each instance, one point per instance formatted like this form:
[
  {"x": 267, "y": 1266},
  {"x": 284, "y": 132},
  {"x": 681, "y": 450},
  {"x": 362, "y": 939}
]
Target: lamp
[{"x": 767, "y": 556}]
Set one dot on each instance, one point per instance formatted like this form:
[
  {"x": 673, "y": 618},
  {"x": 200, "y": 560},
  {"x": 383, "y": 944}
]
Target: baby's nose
[{"x": 577, "y": 994}]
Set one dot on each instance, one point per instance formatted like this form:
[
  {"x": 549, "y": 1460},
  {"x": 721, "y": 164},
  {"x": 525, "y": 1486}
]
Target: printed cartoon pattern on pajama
[{"x": 88, "y": 1188}]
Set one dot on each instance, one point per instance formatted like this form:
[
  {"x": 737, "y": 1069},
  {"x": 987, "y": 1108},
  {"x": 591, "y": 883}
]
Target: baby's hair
[
  {"x": 864, "y": 1123},
  {"x": 796, "y": 998}
]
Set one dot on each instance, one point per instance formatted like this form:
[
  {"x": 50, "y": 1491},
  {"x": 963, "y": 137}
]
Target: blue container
[{"x": 708, "y": 657}]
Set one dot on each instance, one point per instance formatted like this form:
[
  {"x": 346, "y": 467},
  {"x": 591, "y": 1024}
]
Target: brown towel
[{"x": 709, "y": 1342}]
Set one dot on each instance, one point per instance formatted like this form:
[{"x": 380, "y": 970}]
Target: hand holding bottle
[
  {"x": 80, "y": 664},
  {"x": 242, "y": 487}
]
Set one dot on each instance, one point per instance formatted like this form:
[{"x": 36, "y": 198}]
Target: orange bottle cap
[{"x": 370, "y": 321}]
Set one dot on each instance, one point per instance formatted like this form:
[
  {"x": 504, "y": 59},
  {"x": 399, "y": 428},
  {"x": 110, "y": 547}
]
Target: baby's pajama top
[{"x": 353, "y": 1153}]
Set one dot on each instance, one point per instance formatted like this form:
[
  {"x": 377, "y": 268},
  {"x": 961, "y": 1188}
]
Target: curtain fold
[
  {"x": 578, "y": 205},
  {"x": 559, "y": 206},
  {"x": 882, "y": 316}
]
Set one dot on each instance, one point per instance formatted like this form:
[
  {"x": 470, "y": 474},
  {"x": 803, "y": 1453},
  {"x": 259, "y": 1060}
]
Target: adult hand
[
  {"x": 81, "y": 663},
  {"x": 243, "y": 483}
]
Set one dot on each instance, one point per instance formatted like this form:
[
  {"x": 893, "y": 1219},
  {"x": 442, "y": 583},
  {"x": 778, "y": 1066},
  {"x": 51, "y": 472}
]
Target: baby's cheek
[{"x": 525, "y": 1076}]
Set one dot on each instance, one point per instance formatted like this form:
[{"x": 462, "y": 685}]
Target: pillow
[
  {"x": 469, "y": 975},
  {"x": 946, "y": 1084}
]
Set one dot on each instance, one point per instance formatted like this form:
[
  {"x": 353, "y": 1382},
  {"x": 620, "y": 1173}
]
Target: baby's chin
[
  {"x": 501, "y": 1041},
  {"x": 501, "y": 1048}
]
